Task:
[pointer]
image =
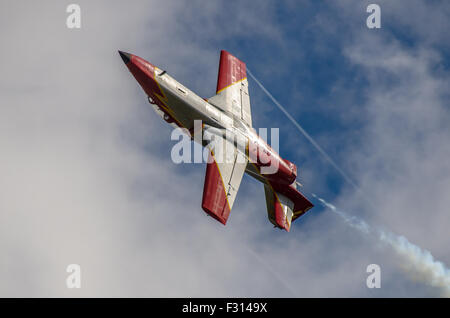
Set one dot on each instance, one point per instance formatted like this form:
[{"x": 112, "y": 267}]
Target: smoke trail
[
  {"x": 419, "y": 264},
  {"x": 273, "y": 272},
  {"x": 307, "y": 136}
]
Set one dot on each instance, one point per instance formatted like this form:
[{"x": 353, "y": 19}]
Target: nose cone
[
  {"x": 137, "y": 64},
  {"x": 126, "y": 57},
  {"x": 143, "y": 71}
]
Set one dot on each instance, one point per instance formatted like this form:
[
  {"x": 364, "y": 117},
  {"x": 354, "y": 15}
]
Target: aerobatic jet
[{"x": 227, "y": 118}]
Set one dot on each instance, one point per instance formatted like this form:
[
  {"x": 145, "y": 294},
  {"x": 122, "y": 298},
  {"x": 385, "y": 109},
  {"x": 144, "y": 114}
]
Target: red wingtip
[
  {"x": 214, "y": 201},
  {"x": 231, "y": 70}
]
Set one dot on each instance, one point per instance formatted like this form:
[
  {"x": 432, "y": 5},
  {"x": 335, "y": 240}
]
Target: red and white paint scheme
[{"x": 227, "y": 112}]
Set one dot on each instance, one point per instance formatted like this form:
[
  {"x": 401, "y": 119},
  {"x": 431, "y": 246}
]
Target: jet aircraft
[{"x": 227, "y": 116}]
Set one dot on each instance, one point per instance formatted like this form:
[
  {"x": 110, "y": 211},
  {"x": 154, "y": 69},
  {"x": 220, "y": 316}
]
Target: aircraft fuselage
[
  {"x": 227, "y": 116},
  {"x": 178, "y": 105}
]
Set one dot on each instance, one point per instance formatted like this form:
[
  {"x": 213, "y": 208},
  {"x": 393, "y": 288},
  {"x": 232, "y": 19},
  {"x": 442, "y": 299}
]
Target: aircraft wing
[
  {"x": 224, "y": 172},
  {"x": 232, "y": 88}
]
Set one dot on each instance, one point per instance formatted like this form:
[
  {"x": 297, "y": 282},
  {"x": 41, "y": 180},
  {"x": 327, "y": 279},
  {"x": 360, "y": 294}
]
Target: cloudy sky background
[{"x": 85, "y": 169}]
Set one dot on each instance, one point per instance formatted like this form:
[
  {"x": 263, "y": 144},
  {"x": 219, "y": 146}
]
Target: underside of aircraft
[{"x": 227, "y": 116}]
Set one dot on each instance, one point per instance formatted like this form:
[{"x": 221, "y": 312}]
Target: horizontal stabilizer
[
  {"x": 285, "y": 204},
  {"x": 279, "y": 208}
]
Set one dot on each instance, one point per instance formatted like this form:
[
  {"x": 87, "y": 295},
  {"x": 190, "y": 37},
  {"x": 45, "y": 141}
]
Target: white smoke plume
[{"x": 419, "y": 264}]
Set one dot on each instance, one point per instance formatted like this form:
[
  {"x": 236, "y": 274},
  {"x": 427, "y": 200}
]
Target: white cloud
[
  {"x": 82, "y": 177},
  {"x": 86, "y": 176}
]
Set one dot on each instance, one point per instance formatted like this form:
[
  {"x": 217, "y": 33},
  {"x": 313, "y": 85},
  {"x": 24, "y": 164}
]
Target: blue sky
[{"x": 87, "y": 176}]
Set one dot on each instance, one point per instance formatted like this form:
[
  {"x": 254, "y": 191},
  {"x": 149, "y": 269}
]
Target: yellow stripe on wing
[{"x": 221, "y": 178}]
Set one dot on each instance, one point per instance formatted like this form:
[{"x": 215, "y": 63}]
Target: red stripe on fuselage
[
  {"x": 144, "y": 72},
  {"x": 286, "y": 172}
]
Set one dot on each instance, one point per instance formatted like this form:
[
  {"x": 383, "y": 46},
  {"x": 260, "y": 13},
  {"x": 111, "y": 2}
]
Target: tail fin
[{"x": 285, "y": 204}]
